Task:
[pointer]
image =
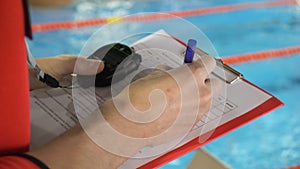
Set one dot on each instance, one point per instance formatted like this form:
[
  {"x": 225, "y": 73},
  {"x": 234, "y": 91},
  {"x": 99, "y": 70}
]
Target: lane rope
[
  {"x": 235, "y": 59},
  {"x": 152, "y": 16},
  {"x": 294, "y": 167},
  {"x": 274, "y": 53}
]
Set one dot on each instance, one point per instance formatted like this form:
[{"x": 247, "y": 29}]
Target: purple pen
[{"x": 190, "y": 51}]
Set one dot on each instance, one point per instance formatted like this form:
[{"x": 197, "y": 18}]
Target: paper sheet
[{"x": 52, "y": 110}]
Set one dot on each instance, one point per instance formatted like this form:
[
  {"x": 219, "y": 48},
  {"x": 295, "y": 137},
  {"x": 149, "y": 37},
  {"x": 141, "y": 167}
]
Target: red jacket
[{"x": 14, "y": 89}]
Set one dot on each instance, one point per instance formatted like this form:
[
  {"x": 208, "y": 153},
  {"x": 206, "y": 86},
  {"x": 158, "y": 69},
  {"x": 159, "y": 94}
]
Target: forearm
[{"x": 74, "y": 149}]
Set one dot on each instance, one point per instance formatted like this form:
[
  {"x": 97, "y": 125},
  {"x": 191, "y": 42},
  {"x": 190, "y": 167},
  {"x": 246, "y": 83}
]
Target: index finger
[
  {"x": 208, "y": 62},
  {"x": 203, "y": 66}
]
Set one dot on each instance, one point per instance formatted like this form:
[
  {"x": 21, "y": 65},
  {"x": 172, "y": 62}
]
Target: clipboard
[
  {"x": 263, "y": 109},
  {"x": 230, "y": 76}
]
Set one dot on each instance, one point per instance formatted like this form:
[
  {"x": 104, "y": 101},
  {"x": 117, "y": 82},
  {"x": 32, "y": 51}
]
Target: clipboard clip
[{"x": 222, "y": 70}]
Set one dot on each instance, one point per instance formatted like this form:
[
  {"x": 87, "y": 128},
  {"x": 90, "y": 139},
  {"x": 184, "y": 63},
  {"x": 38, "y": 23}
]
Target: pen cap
[
  {"x": 190, "y": 50},
  {"x": 192, "y": 44}
]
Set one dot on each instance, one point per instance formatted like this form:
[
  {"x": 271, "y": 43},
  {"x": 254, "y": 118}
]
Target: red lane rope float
[
  {"x": 294, "y": 167},
  {"x": 214, "y": 10},
  {"x": 153, "y": 16},
  {"x": 274, "y": 53}
]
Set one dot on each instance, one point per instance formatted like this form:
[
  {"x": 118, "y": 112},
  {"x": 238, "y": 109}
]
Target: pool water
[{"x": 271, "y": 141}]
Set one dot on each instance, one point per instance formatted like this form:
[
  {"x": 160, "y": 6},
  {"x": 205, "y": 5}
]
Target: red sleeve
[
  {"x": 15, "y": 162},
  {"x": 14, "y": 88}
]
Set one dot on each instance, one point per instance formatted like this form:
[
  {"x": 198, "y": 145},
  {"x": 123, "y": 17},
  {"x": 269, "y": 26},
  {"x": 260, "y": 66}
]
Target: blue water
[{"x": 271, "y": 141}]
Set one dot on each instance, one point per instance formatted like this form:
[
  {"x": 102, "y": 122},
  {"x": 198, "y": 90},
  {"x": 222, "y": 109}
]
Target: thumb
[{"x": 84, "y": 66}]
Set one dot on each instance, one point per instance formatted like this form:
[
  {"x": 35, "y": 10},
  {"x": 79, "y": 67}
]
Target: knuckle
[
  {"x": 206, "y": 96},
  {"x": 197, "y": 68}
]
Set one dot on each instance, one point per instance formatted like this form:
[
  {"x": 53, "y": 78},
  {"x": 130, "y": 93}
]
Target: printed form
[{"x": 52, "y": 109}]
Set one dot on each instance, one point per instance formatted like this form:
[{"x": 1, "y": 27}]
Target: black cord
[
  {"x": 49, "y": 80},
  {"x": 34, "y": 160}
]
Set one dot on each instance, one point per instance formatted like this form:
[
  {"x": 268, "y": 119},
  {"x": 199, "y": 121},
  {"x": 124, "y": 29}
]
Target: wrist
[
  {"x": 120, "y": 123},
  {"x": 142, "y": 133}
]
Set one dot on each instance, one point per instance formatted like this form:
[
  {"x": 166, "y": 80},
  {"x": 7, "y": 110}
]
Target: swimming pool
[{"x": 270, "y": 141}]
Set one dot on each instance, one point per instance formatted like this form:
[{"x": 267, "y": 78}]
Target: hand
[
  {"x": 160, "y": 107},
  {"x": 62, "y": 65}
]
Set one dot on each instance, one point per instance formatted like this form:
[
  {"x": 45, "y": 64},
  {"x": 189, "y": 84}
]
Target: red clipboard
[
  {"x": 264, "y": 108},
  {"x": 221, "y": 130}
]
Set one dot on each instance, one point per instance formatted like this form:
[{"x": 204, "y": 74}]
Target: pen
[{"x": 190, "y": 51}]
